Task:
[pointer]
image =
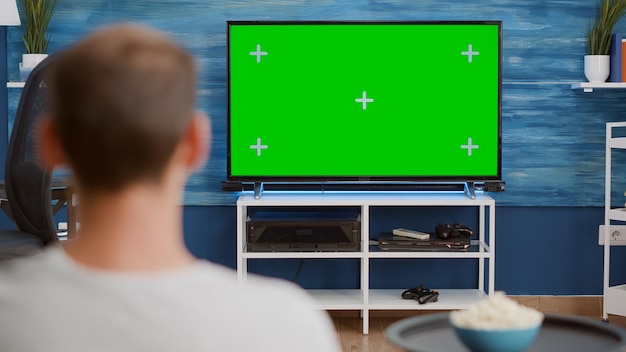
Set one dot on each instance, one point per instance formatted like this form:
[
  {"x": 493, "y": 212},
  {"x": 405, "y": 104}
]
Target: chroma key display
[{"x": 364, "y": 101}]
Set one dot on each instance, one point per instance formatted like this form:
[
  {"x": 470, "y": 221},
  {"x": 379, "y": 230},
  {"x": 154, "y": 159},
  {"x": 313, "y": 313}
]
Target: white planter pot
[
  {"x": 597, "y": 68},
  {"x": 32, "y": 60},
  {"x": 29, "y": 61}
]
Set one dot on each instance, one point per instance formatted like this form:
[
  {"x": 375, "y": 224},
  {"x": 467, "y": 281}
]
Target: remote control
[{"x": 411, "y": 233}]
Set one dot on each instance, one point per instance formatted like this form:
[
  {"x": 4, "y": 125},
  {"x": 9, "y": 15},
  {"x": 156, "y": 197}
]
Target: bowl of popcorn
[{"x": 497, "y": 324}]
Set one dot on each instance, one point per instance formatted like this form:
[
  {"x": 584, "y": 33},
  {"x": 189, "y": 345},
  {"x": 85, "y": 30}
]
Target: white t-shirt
[{"x": 50, "y": 303}]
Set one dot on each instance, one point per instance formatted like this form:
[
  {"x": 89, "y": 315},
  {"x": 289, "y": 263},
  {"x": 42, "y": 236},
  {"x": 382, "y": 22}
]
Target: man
[{"x": 122, "y": 120}]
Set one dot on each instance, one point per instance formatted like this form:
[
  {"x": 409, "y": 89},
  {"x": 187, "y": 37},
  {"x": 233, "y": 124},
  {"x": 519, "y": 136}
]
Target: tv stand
[
  {"x": 470, "y": 190},
  {"x": 365, "y": 297}
]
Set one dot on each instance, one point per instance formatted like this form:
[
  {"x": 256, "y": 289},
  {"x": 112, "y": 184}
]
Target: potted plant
[
  {"x": 36, "y": 16},
  {"x": 597, "y": 62}
]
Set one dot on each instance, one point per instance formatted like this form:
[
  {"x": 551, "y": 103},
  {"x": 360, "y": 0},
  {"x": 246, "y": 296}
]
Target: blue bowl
[{"x": 515, "y": 340}]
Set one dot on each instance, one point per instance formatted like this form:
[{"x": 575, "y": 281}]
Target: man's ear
[
  {"x": 50, "y": 152},
  {"x": 198, "y": 137}
]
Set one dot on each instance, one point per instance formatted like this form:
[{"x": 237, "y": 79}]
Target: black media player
[{"x": 303, "y": 231}]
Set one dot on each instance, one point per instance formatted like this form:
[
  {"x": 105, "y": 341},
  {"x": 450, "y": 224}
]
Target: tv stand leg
[
  {"x": 258, "y": 190},
  {"x": 470, "y": 190}
]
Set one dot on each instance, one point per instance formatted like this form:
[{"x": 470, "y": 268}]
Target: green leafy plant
[{"x": 36, "y": 16}]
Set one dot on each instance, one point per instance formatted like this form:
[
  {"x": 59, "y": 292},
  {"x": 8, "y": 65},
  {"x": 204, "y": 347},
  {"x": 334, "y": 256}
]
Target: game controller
[
  {"x": 446, "y": 231},
  {"x": 421, "y": 294}
]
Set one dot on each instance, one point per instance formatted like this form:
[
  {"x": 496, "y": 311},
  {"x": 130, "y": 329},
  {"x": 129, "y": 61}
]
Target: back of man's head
[{"x": 120, "y": 101}]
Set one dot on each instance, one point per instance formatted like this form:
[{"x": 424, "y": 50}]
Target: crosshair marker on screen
[
  {"x": 364, "y": 100},
  {"x": 258, "y": 146},
  {"x": 469, "y": 53},
  {"x": 258, "y": 53},
  {"x": 469, "y": 146}
]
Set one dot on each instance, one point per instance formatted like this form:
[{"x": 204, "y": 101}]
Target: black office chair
[{"x": 27, "y": 183}]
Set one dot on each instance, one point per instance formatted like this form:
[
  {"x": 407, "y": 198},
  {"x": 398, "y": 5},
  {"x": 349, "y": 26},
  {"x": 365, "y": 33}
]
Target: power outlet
[
  {"x": 62, "y": 231},
  {"x": 618, "y": 235}
]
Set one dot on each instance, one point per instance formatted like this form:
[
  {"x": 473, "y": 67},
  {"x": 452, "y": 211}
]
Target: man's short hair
[{"x": 120, "y": 102}]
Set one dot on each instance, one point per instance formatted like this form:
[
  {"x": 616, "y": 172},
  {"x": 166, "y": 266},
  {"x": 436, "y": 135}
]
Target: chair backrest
[{"x": 27, "y": 182}]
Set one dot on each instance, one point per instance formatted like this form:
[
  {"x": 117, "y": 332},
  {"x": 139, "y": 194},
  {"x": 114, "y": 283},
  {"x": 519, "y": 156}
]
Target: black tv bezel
[{"x": 363, "y": 179}]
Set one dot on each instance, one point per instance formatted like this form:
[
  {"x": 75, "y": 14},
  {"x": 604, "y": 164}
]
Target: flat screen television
[{"x": 364, "y": 102}]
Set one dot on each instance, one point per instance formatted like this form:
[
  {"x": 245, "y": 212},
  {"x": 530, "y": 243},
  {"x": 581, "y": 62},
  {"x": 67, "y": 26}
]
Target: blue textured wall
[{"x": 553, "y": 137}]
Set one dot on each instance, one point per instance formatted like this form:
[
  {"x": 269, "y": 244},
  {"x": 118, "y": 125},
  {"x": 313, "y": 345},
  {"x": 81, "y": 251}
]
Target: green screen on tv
[{"x": 364, "y": 100}]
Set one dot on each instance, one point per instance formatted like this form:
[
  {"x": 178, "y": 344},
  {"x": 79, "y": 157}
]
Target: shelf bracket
[
  {"x": 258, "y": 190},
  {"x": 470, "y": 190}
]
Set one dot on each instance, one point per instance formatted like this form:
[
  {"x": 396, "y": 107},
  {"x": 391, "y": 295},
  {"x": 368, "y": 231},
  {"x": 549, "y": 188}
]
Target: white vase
[
  {"x": 29, "y": 61},
  {"x": 597, "y": 68},
  {"x": 32, "y": 60}
]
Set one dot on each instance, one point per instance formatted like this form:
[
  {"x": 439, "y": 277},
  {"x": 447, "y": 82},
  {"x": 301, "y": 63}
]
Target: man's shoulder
[
  {"x": 29, "y": 279},
  {"x": 28, "y": 267},
  {"x": 205, "y": 296}
]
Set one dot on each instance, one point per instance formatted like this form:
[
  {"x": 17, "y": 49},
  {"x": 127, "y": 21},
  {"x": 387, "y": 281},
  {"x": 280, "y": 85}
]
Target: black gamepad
[
  {"x": 445, "y": 231},
  {"x": 421, "y": 294},
  {"x": 432, "y": 296}
]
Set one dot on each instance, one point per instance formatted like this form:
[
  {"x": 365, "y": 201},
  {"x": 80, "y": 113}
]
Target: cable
[{"x": 295, "y": 277}]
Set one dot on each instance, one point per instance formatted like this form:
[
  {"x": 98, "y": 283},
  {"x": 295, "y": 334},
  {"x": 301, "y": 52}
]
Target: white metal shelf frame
[
  {"x": 363, "y": 298},
  {"x": 614, "y": 296}
]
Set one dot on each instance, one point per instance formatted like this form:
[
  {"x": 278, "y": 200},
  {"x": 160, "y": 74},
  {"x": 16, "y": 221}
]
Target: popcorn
[{"x": 496, "y": 313}]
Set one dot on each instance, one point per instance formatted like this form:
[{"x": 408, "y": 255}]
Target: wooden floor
[{"x": 350, "y": 331}]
